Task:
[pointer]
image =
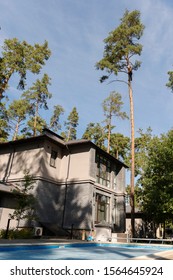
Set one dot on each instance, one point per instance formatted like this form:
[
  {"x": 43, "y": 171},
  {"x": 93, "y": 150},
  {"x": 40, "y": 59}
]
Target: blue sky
[{"x": 75, "y": 30}]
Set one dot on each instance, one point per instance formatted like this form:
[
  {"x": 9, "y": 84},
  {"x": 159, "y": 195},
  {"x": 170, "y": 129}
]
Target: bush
[{"x": 24, "y": 233}]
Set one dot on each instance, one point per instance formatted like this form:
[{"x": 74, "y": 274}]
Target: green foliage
[
  {"x": 24, "y": 233},
  {"x": 25, "y": 200},
  {"x": 32, "y": 128},
  {"x": 121, "y": 45},
  {"x": 157, "y": 179},
  {"x": 37, "y": 97},
  {"x": 54, "y": 121},
  {"x": 21, "y": 57},
  {"x": 112, "y": 108},
  {"x": 119, "y": 146},
  {"x": 38, "y": 93},
  {"x": 137, "y": 195},
  {"x": 17, "y": 112},
  {"x": 142, "y": 144},
  {"x": 4, "y": 127},
  {"x": 170, "y": 81},
  {"x": 71, "y": 124},
  {"x": 95, "y": 133}
]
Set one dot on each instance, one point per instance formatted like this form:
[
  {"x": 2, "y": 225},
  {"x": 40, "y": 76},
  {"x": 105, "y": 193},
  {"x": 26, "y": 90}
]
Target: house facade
[{"x": 77, "y": 184}]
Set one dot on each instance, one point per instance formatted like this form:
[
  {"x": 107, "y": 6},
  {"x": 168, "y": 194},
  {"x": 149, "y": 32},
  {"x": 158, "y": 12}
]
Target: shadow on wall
[
  {"x": 18, "y": 162},
  {"x": 78, "y": 209},
  {"x": 64, "y": 206}
]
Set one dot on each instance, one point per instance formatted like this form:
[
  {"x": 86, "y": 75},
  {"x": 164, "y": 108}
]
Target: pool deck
[{"x": 163, "y": 255}]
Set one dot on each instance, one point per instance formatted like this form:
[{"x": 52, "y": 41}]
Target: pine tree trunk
[
  {"x": 16, "y": 131},
  {"x": 35, "y": 120},
  {"x": 109, "y": 137},
  {"x": 132, "y": 201}
]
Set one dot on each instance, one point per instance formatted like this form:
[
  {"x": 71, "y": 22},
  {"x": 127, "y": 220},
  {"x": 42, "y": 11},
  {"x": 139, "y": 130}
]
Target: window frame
[
  {"x": 102, "y": 208},
  {"x": 53, "y": 157},
  {"x": 104, "y": 171}
]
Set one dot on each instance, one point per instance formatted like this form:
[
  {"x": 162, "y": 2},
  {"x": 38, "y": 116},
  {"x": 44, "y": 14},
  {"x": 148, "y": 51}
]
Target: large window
[
  {"x": 103, "y": 171},
  {"x": 102, "y": 208}
]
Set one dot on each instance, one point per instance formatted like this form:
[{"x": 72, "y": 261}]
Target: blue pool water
[{"x": 79, "y": 251}]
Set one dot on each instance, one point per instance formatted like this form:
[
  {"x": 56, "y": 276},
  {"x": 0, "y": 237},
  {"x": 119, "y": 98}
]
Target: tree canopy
[
  {"x": 112, "y": 106},
  {"x": 21, "y": 57},
  {"x": 157, "y": 180},
  {"x": 121, "y": 45}
]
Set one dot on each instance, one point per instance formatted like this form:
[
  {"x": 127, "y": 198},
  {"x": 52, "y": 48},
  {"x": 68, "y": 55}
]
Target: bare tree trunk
[
  {"x": 132, "y": 200},
  {"x": 117, "y": 153},
  {"x": 35, "y": 120},
  {"x": 16, "y": 131},
  {"x": 109, "y": 132},
  {"x": 69, "y": 133},
  {"x": 109, "y": 137}
]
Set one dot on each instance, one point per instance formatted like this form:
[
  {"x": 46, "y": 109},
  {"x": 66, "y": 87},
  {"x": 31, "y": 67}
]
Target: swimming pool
[{"x": 78, "y": 251}]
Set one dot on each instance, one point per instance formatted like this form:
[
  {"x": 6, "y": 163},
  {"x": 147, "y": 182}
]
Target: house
[{"x": 77, "y": 185}]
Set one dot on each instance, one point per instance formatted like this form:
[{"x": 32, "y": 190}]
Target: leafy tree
[
  {"x": 17, "y": 114},
  {"x": 157, "y": 180},
  {"x": 25, "y": 200},
  {"x": 30, "y": 129},
  {"x": 170, "y": 80},
  {"x": 120, "y": 146},
  {"x": 112, "y": 108},
  {"x": 120, "y": 47},
  {"x": 4, "y": 128},
  {"x": 95, "y": 133},
  {"x": 71, "y": 124},
  {"x": 37, "y": 96},
  {"x": 20, "y": 57},
  {"x": 54, "y": 121},
  {"x": 142, "y": 144},
  {"x": 137, "y": 196}
]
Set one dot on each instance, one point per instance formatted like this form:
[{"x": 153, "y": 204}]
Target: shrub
[{"x": 24, "y": 233}]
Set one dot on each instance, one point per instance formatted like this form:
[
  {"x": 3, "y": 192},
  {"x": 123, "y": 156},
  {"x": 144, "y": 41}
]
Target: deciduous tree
[{"x": 157, "y": 180}]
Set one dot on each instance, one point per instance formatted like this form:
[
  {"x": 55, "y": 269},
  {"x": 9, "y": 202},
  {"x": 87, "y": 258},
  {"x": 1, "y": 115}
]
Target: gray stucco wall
[
  {"x": 50, "y": 204},
  {"x": 61, "y": 206},
  {"x": 119, "y": 225},
  {"x": 120, "y": 179},
  {"x": 78, "y": 206},
  {"x": 92, "y": 163}
]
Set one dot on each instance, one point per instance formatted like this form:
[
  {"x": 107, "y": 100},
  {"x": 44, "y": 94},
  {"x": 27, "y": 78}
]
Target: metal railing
[{"x": 141, "y": 240}]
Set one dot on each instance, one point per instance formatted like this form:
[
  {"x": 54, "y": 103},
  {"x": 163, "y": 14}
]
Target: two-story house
[{"x": 77, "y": 184}]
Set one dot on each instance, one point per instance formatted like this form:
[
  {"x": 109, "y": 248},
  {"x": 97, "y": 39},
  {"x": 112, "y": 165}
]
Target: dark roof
[
  {"x": 57, "y": 138},
  {"x": 46, "y": 134}
]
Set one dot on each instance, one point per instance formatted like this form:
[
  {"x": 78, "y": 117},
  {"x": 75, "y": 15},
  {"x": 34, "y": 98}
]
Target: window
[
  {"x": 103, "y": 171},
  {"x": 127, "y": 199},
  {"x": 114, "y": 179},
  {"x": 53, "y": 158},
  {"x": 102, "y": 208}
]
